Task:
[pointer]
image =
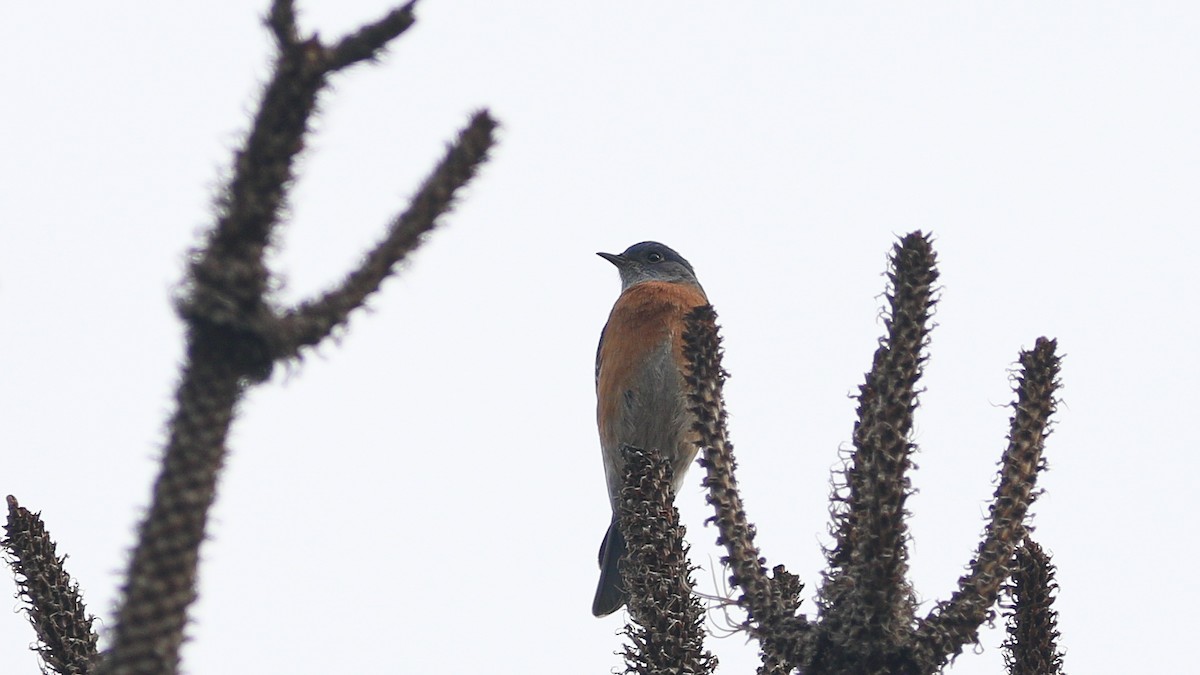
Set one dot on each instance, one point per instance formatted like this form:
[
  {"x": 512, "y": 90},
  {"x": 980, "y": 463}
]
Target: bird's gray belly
[{"x": 653, "y": 414}]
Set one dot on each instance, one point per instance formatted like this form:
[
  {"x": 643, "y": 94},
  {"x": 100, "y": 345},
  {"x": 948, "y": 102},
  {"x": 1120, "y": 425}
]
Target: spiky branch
[
  {"x": 955, "y": 623},
  {"x": 867, "y": 621},
  {"x": 866, "y": 598},
  {"x": 66, "y": 641},
  {"x": 668, "y": 637},
  {"x": 1032, "y": 644},
  {"x": 770, "y": 600},
  {"x": 235, "y": 334}
]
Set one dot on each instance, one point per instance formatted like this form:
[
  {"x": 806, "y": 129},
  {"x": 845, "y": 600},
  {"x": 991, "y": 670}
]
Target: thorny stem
[
  {"x": 955, "y": 623},
  {"x": 235, "y": 336},
  {"x": 66, "y": 640},
  {"x": 771, "y": 602},
  {"x": 1031, "y": 647},
  {"x": 669, "y": 632}
]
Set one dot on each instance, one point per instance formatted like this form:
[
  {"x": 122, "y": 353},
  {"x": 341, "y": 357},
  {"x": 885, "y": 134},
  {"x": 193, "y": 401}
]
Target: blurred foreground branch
[{"x": 235, "y": 336}]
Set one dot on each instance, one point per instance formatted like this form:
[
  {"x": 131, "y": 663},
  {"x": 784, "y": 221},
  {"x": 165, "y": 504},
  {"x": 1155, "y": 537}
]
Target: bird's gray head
[{"x": 651, "y": 261}]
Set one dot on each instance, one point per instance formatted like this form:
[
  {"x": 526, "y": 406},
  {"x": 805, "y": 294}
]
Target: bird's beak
[{"x": 613, "y": 258}]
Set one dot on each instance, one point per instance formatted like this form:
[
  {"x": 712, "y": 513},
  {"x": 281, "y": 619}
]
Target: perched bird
[{"x": 641, "y": 398}]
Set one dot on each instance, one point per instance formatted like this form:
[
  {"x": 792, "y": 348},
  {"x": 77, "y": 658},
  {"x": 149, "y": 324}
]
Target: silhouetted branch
[
  {"x": 282, "y": 22},
  {"x": 363, "y": 44},
  {"x": 228, "y": 283},
  {"x": 66, "y": 641},
  {"x": 367, "y": 41},
  {"x": 788, "y": 644},
  {"x": 312, "y": 321},
  {"x": 706, "y": 380},
  {"x": 770, "y": 602},
  {"x": 669, "y": 637},
  {"x": 867, "y": 623},
  {"x": 161, "y": 581},
  {"x": 866, "y": 601},
  {"x": 955, "y": 623},
  {"x": 235, "y": 336},
  {"x": 1031, "y": 647}
]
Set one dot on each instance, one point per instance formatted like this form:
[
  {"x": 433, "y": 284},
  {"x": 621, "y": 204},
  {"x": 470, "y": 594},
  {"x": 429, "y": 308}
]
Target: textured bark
[
  {"x": 867, "y": 621},
  {"x": 667, "y": 630},
  {"x": 1032, "y": 644},
  {"x": 66, "y": 641}
]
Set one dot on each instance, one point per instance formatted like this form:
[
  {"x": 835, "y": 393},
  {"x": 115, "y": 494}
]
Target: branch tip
[
  {"x": 367, "y": 42},
  {"x": 313, "y": 320},
  {"x": 282, "y": 22},
  {"x": 954, "y": 623},
  {"x": 1031, "y": 647},
  {"x": 66, "y": 641}
]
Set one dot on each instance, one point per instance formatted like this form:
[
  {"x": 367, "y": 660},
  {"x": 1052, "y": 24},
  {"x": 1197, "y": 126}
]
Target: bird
[{"x": 641, "y": 397}]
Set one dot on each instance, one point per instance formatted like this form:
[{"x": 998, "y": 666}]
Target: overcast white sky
[{"x": 427, "y": 495}]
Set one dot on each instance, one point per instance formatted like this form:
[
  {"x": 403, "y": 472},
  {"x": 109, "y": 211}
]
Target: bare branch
[
  {"x": 312, "y": 321},
  {"x": 669, "y": 637},
  {"x": 367, "y": 41},
  {"x": 282, "y": 22},
  {"x": 1031, "y": 647},
  {"x": 706, "y": 379},
  {"x": 229, "y": 278},
  {"x": 955, "y": 623},
  {"x": 235, "y": 337},
  {"x": 771, "y": 603},
  {"x": 66, "y": 641},
  {"x": 866, "y": 601},
  {"x": 161, "y": 582}
]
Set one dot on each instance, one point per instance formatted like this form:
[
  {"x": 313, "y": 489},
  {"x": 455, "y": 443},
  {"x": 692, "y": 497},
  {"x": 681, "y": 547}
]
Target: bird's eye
[{"x": 654, "y": 257}]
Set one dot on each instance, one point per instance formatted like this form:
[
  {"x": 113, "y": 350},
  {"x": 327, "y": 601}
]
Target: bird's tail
[{"x": 610, "y": 595}]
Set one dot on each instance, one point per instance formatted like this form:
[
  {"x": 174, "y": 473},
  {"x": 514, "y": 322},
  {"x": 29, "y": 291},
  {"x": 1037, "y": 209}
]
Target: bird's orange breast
[{"x": 645, "y": 319}]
